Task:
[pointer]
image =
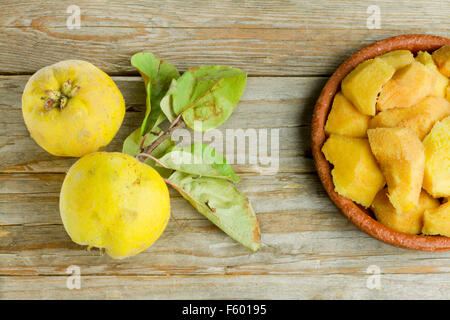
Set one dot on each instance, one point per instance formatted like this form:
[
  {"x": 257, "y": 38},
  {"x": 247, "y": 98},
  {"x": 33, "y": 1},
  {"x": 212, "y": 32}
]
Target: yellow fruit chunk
[
  {"x": 364, "y": 83},
  {"x": 437, "y": 221},
  {"x": 401, "y": 157},
  {"x": 355, "y": 174},
  {"x": 425, "y": 58},
  {"x": 344, "y": 119},
  {"x": 420, "y": 118},
  {"x": 441, "y": 81},
  {"x": 437, "y": 160},
  {"x": 447, "y": 95},
  {"x": 408, "y": 222},
  {"x": 440, "y": 86},
  {"x": 112, "y": 201},
  {"x": 72, "y": 108},
  {"x": 398, "y": 58},
  {"x": 407, "y": 87},
  {"x": 442, "y": 59}
]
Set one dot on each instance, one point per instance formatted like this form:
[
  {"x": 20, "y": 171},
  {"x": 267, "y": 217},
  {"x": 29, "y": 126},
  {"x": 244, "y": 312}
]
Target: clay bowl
[{"x": 361, "y": 217}]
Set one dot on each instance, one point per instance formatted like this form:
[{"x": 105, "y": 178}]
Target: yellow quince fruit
[
  {"x": 401, "y": 157},
  {"x": 111, "y": 200},
  {"x": 72, "y": 108}
]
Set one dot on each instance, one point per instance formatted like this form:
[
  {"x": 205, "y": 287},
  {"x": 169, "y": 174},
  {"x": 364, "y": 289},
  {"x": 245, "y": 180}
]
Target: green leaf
[
  {"x": 199, "y": 159},
  {"x": 157, "y": 75},
  {"x": 148, "y": 108},
  {"x": 132, "y": 143},
  {"x": 159, "y": 152},
  {"x": 208, "y": 94},
  {"x": 223, "y": 204}
]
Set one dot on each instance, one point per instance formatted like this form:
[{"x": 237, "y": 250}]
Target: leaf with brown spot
[{"x": 208, "y": 94}]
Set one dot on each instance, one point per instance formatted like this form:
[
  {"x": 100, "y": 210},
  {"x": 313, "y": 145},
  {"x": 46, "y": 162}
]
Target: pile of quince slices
[{"x": 390, "y": 125}]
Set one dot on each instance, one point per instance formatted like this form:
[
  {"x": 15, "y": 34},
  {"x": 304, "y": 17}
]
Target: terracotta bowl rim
[{"x": 358, "y": 215}]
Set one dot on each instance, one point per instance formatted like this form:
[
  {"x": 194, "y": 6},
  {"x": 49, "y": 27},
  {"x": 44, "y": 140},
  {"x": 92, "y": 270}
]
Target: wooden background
[{"x": 309, "y": 250}]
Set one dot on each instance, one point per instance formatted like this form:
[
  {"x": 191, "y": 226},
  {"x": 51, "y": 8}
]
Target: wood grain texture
[
  {"x": 336, "y": 286},
  {"x": 264, "y": 37}
]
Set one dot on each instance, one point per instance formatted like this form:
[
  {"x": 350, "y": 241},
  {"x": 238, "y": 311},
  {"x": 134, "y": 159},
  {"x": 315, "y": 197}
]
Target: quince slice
[
  {"x": 355, "y": 174},
  {"x": 407, "y": 87},
  {"x": 401, "y": 157},
  {"x": 441, "y": 81},
  {"x": 437, "y": 160},
  {"x": 398, "y": 58},
  {"x": 437, "y": 221},
  {"x": 345, "y": 119},
  {"x": 364, "y": 83},
  {"x": 442, "y": 58},
  {"x": 409, "y": 222},
  {"x": 420, "y": 118}
]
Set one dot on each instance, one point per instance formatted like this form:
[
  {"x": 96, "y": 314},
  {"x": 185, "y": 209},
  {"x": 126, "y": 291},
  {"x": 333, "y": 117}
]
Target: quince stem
[
  {"x": 149, "y": 156},
  {"x": 59, "y": 98}
]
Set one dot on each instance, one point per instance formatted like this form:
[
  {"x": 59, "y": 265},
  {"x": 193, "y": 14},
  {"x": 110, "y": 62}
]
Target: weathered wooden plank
[
  {"x": 335, "y": 286},
  {"x": 251, "y": 14},
  {"x": 274, "y": 103},
  {"x": 276, "y": 38},
  {"x": 196, "y": 248}
]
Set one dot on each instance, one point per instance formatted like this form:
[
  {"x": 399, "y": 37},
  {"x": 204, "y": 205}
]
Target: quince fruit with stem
[{"x": 111, "y": 200}]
